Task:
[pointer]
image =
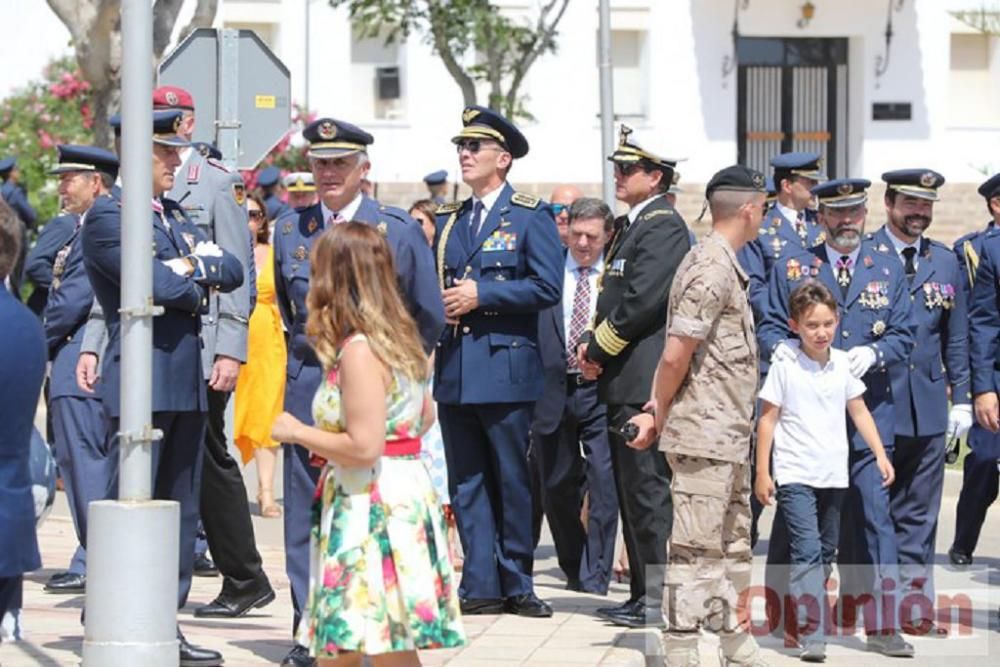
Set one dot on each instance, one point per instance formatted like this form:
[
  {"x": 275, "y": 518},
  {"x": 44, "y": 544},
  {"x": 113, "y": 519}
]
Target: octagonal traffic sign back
[{"x": 241, "y": 90}]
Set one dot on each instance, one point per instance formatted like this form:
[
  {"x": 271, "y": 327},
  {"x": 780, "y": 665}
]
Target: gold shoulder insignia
[
  {"x": 527, "y": 201},
  {"x": 445, "y": 209},
  {"x": 657, "y": 213}
]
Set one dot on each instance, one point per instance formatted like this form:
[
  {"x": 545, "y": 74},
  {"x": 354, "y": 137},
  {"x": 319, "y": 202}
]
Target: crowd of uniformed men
[{"x": 524, "y": 302}]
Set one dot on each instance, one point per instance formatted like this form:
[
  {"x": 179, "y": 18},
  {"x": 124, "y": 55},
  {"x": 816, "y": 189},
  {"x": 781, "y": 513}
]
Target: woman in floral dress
[{"x": 381, "y": 583}]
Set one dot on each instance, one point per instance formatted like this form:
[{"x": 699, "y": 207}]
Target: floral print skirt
[{"x": 380, "y": 575}]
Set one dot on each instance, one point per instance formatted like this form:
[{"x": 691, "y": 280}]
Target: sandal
[{"x": 268, "y": 508}]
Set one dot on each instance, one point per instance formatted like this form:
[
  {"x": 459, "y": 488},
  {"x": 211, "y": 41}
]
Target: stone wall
[{"x": 961, "y": 209}]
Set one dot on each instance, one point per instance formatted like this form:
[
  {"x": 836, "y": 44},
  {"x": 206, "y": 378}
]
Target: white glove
[
  {"x": 959, "y": 421},
  {"x": 178, "y": 265},
  {"x": 784, "y": 351},
  {"x": 207, "y": 249},
  {"x": 861, "y": 358}
]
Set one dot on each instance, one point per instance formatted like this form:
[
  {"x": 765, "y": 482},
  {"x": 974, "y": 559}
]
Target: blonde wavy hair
[{"x": 353, "y": 289}]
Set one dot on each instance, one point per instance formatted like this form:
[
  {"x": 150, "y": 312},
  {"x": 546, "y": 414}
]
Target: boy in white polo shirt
[{"x": 804, "y": 403}]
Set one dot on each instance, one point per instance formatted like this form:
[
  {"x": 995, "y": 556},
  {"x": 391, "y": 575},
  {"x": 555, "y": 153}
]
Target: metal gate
[{"x": 792, "y": 96}]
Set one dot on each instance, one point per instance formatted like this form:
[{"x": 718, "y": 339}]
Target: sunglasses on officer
[
  {"x": 476, "y": 145},
  {"x": 627, "y": 169},
  {"x": 559, "y": 208}
]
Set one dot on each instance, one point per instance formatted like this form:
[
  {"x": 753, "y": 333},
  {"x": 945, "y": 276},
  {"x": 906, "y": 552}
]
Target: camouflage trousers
[{"x": 709, "y": 551}]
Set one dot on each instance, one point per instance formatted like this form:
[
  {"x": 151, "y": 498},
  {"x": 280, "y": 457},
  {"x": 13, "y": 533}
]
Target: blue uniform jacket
[
  {"x": 178, "y": 383},
  {"x": 984, "y": 318},
  {"x": 276, "y": 208},
  {"x": 777, "y": 240},
  {"x": 38, "y": 264},
  {"x": 22, "y": 367},
  {"x": 876, "y": 312},
  {"x": 492, "y": 356},
  {"x": 16, "y": 199},
  {"x": 414, "y": 264},
  {"x": 967, "y": 250},
  {"x": 65, "y": 317},
  {"x": 939, "y": 309}
]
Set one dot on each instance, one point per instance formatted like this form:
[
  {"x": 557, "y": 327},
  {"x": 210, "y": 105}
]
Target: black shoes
[
  {"x": 892, "y": 645},
  {"x": 521, "y": 605},
  {"x": 195, "y": 656},
  {"x": 66, "y": 583},
  {"x": 298, "y": 657},
  {"x": 479, "y": 607},
  {"x": 204, "y": 567},
  {"x": 527, "y": 605},
  {"x": 226, "y": 605},
  {"x": 633, "y": 614},
  {"x": 959, "y": 558}
]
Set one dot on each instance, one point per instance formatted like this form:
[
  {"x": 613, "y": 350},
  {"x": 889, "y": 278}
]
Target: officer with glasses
[
  {"x": 562, "y": 198},
  {"x": 499, "y": 264}
]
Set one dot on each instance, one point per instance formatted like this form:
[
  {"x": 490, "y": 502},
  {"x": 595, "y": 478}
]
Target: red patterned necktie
[{"x": 579, "y": 317}]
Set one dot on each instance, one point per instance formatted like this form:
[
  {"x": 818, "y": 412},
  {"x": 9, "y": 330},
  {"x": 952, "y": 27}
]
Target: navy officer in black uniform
[
  {"x": 185, "y": 267},
  {"x": 499, "y": 263},
  {"x": 338, "y": 152},
  {"x": 624, "y": 346}
]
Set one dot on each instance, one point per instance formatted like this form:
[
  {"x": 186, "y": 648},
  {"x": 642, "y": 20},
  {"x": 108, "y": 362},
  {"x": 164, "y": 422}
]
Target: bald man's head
[{"x": 562, "y": 198}]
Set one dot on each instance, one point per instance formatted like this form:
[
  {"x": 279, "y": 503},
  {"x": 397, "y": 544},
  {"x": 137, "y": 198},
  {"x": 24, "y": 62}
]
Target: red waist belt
[{"x": 402, "y": 447}]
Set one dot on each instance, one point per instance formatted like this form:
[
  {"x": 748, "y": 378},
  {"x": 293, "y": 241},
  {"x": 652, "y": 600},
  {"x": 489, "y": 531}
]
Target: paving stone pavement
[{"x": 574, "y": 636}]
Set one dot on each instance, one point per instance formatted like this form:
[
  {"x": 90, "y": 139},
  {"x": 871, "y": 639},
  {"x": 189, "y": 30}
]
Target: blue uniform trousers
[
  {"x": 486, "y": 446},
  {"x": 979, "y": 488},
  {"x": 299, "y": 483},
  {"x": 177, "y": 463},
  {"x": 87, "y": 460},
  {"x": 868, "y": 538},
  {"x": 585, "y": 555},
  {"x": 915, "y": 501}
]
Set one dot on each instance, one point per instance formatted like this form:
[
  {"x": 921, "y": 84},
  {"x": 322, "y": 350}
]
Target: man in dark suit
[
  {"x": 186, "y": 266},
  {"x": 22, "y": 367},
  {"x": 499, "y": 265},
  {"x": 569, "y": 414},
  {"x": 623, "y": 350}
]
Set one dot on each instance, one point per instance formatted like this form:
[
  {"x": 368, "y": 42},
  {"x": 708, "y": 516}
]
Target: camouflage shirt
[{"x": 712, "y": 413}]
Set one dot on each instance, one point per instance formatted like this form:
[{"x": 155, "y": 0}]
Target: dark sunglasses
[
  {"x": 559, "y": 208},
  {"x": 627, "y": 169},
  {"x": 256, "y": 215},
  {"x": 473, "y": 146}
]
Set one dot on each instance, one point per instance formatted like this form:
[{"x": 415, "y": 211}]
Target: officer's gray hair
[
  {"x": 588, "y": 208},
  {"x": 10, "y": 239}
]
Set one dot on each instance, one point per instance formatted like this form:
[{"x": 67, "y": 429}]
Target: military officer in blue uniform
[
  {"x": 876, "y": 330},
  {"x": 437, "y": 186},
  {"x": 940, "y": 358},
  {"x": 979, "y": 473},
  {"x": 87, "y": 457},
  {"x": 301, "y": 188},
  {"x": 186, "y": 266},
  {"x": 499, "y": 263},
  {"x": 214, "y": 199},
  {"x": 13, "y": 193},
  {"x": 269, "y": 180},
  {"x": 38, "y": 264},
  {"x": 789, "y": 225},
  {"x": 338, "y": 152}
]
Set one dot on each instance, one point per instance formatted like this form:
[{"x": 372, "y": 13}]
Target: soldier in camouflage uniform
[{"x": 704, "y": 390}]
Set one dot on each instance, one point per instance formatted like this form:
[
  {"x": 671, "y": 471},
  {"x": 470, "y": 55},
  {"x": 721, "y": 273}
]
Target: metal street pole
[
  {"x": 607, "y": 103},
  {"x": 132, "y": 543},
  {"x": 306, "y": 40}
]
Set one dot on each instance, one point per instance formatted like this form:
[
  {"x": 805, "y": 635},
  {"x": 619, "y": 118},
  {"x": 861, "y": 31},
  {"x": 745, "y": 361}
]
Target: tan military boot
[
  {"x": 739, "y": 650},
  {"x": 680, "y": 649}
]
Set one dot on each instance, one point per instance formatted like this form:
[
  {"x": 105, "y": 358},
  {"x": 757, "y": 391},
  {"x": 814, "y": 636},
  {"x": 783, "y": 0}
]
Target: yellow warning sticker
[{"x": 265, "y": 101}]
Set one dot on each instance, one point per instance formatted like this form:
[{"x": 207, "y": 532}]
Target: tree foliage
[
  {"x": 56, "y": 109},
  {"x": 504, "y": 48},
  {"x": 985, "y": 20},
  {"x": 95, "y": 29}
]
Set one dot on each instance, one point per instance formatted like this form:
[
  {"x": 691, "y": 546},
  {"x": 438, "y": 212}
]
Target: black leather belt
[{"x": 577, "y": 380}]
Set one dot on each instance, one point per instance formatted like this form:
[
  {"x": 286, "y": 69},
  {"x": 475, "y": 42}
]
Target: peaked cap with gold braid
[
  {"x": 483, "y": 123},
  {"x": 629, "y": 152}
]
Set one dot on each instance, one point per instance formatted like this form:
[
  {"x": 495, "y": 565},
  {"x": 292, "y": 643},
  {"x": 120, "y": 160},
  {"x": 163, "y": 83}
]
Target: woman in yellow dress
[{"x": 260, "y": 389}]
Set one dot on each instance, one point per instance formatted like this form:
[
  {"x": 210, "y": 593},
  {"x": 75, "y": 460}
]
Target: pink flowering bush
[{"x": 54, "y": 109}]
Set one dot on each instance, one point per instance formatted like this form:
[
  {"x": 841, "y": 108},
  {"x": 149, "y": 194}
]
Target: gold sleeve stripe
[{"x": 609, "y": 340}]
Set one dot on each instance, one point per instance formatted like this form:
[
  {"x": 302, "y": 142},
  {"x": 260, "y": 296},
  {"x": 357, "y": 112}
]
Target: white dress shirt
[
  {"x": 900, "y": 245},
  {"x": 834, "y": 255},
  {"x": 570, "y": 278},
  {"x": 488, "y": 200},
  {"x": 347, "y": 213},
  {"x": 633, "y": 212},
  {"x": 790, "y": 213}
]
